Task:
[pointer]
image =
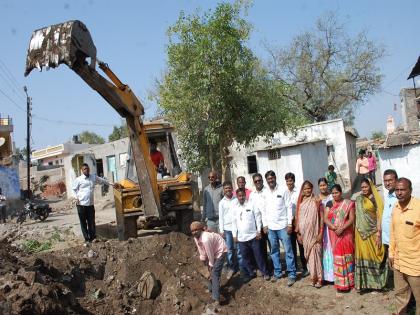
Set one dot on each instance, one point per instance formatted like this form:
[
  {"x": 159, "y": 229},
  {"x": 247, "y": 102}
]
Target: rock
[
  {"x": 148, "y": 287},
  {"x": 98, "y": 294},
  {"x": 110, "y": 278},
  {"x": 91, "y": 253}
]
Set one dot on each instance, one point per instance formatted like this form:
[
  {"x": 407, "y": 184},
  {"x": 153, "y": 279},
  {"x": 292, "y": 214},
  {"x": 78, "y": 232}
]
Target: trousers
[
  {"x": 87, "y": 222},
  {"x": 404, "y": 286}
]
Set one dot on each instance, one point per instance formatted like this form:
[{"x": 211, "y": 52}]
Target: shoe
[
  {"x": 277, "y": 278},
  {"x": 246, "y": 279},
  {"x": 291, "y": 282},
  {"x": 214, "y": 306},
  {"x": 267, "y": 278},
  {"x": 305, "y": 273}
]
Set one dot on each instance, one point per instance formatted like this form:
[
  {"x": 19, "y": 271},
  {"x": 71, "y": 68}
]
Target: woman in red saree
[
  {"x": 309, "y": 228},
  {"x": 339, "y": 217}
]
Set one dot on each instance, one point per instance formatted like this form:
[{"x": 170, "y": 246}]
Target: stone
[
  {"x": 91, "y": 253},
  {"x": 148, "y": 287}
]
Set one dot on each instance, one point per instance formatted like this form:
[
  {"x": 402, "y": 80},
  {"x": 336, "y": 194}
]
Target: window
[
  {"x": 274, "y": 154},
  {"x": 330, "y": 149},
  {"x": 252, "y": 164}
]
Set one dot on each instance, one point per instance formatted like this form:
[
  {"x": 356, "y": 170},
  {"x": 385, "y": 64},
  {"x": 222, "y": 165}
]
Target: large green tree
[
  {"x": 90, "y": 137},
  {"x": 328, "y": 71},
  {"x": 215, "y": 90}
]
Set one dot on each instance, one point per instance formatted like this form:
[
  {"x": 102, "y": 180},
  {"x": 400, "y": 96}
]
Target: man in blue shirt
[{"x": 390, "y": 181}]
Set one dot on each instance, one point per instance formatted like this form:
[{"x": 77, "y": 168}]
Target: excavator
[{"x": 139, "y": 197}]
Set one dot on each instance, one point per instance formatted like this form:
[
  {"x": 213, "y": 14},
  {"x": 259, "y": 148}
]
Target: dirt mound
[{"x": 104, "y": 279}]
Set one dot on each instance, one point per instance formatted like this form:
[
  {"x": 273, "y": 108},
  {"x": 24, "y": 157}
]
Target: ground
[{"x": 103, "y": 278}]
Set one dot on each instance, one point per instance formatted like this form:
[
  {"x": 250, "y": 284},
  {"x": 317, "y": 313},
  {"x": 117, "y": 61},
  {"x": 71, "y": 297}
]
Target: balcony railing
[{"x": 6, "y": 121}]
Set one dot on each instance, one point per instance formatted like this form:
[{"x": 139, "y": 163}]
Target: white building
[
  {"x": 402, "y": 154},
  {"x": 401, "y": 150},
  {"x": 307, "y": 153},
  {"x": 54, "y": 155}
]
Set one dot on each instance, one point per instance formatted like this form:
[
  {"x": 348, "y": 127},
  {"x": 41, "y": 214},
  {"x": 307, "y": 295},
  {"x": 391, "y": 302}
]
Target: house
[
  {"x": 401, "y": 149},
  {"x": 307, "y": 152},
  {"x": 53, "y": 156}
]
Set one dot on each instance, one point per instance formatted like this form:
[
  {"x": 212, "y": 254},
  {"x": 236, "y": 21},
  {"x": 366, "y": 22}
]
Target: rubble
[{"x": 159, "y": 274}]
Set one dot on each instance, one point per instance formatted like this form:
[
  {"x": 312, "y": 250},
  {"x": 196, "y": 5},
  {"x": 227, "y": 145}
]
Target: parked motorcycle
[{"x": 35, "y": 211}]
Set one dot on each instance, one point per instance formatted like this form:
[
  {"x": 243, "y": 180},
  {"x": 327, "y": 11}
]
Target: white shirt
[
  {"x": 2, "y": 200},
  {"x": 83, "y": 188},
  {"x": 246, "y": 222},
  {"x": 276, "y": 215},
  {"x": 226, "y": 213},
  {"x": 290, "y": 198},
  {"x": 257, "y": 199}
]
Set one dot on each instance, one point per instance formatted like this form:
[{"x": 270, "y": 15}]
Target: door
[{"x": 112, "y": 168}]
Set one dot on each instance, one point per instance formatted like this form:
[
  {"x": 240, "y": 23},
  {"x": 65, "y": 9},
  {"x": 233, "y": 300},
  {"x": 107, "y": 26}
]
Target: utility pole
[{"x": 28, "y": 140}]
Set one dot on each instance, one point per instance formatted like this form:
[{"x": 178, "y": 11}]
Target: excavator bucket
[{"x": 68, "y": 43}]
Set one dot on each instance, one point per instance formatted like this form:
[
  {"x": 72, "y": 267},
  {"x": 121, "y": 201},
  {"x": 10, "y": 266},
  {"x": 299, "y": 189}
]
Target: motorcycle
[{"x": 34, "y": 211}]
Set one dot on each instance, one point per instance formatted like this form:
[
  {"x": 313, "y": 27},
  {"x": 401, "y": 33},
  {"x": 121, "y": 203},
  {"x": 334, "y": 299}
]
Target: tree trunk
[
  {"x": 211, "y": 158},
  {"x": 224, "y": 158}
]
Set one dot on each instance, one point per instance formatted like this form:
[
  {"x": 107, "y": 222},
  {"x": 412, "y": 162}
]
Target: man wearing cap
[{"x": 212, "y": 250}]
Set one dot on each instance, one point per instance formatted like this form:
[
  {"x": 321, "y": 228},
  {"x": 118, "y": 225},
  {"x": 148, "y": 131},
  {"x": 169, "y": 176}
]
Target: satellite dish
[{"x": 2, "y": 141}]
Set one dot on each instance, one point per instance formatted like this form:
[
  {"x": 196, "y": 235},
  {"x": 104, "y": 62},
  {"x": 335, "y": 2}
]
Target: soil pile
[{"x": 104, "y": 278}]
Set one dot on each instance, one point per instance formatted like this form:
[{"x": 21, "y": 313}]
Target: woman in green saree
[{"x": 371, "y": 268}]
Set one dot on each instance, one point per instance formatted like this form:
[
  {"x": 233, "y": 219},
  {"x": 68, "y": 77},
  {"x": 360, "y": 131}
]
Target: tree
[
  {"x": 118, "y": 132},
  {"x": 22, "y": 153},
  {"x": 376, "y": 135},
  {"x": 90, "y": 137},
  {"x": 327, "y": 71},
  {"x": 215, "y": 90}
]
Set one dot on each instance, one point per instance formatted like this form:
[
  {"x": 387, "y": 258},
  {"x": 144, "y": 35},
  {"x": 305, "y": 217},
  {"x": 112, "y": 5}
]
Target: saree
[
  {"x": 371, "y": 267},
  {"x": 310, "y": 224},
  {"x": 327, "y": 256},
  {"x": 342, "y": 246}
]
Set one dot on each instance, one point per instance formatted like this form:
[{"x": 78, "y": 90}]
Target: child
[{"x": 331, "y": 177}]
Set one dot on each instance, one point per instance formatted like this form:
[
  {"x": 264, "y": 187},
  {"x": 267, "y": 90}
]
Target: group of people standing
[{"x": 351, "y": 243}]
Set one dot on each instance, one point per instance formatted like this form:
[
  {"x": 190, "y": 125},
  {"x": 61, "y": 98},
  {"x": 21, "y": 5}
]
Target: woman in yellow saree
[{"x": 371, "y": 268}]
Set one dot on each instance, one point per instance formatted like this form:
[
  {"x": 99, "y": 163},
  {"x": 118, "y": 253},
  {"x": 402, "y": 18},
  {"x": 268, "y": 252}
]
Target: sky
[{"x": 131, "y": 37}]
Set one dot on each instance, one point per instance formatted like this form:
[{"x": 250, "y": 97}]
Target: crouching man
[{"x": 212, "y": 249}]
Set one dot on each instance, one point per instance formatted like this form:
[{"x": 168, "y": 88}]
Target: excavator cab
[{"x": 139, "y": 196}]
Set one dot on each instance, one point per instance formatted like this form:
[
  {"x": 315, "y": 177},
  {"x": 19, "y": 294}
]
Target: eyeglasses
[
  {"x": 212, "y": 177},
  {"x": 257, "y": 181}
]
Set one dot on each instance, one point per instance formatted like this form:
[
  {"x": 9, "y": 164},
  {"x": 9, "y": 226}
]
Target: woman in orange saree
[
  {"x": 339, "y": 217},
  {"x": 309, "y": 228}
]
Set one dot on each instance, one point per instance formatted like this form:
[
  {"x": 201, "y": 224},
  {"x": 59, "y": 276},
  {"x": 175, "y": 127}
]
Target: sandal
[{"x": 318, "y": 285}]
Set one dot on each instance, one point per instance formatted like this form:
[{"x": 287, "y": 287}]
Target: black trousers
[
  {"x": 3, "y": 213},
  {"x": 87, "y": 222},
  {"x": 293, "y": 240}
]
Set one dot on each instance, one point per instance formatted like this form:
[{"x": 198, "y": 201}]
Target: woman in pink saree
[
  {"x": 339, "y": 217},
  {"x": 309, "y": 228}
]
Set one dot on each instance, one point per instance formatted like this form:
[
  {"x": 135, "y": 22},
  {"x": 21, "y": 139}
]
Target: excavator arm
[{"x": 70, "y": 43}]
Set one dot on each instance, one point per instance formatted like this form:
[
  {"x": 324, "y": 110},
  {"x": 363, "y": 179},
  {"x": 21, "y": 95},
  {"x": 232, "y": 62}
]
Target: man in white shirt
[
  {"x": 291, "y": 195},
  {"x": 83, "y": 189},
  {"x": 225, "y": 225},
  {"x": 277, "y": 221},
  {"x": 246, "y": 227},
  {"x": 257, "y": 199},
  {"x": 3, "y": 210}
]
